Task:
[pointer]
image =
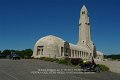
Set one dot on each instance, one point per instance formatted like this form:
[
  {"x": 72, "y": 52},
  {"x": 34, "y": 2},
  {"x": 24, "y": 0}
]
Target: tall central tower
[{"x": 84, "y": 30}]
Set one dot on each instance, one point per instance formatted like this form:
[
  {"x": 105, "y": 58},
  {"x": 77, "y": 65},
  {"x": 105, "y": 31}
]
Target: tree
[
  {"x": 0, "y": 54},
  {"x": 27, "y": 53},
  {"x": 113, "y": 56},
  {"x": 6, "y": 52}
]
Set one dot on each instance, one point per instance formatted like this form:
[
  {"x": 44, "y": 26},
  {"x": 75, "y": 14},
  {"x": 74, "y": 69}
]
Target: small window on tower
[
  {"x": 83, "y": 12},
  {"x": 83, "y": 41}
]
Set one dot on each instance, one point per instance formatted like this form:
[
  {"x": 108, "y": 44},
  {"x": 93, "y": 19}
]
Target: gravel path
[{"x": 113, "y": 65}]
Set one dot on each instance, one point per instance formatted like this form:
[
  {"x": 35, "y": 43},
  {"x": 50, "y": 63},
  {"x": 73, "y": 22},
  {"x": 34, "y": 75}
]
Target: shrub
[
  {"x": 118, "y": 59},
  {"x": 75, "y": 61},
  {"x": 63, "y": 61},
  {"x": 42, "y": 58},
  {"x": 47, "y": 59},
  {"x": 53, "y": 59},
  {"x": 103, "y": 67},
  {"x": 26, "y": 57}
]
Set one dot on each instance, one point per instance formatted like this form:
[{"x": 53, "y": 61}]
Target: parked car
[{"x": 16, "y": 57}]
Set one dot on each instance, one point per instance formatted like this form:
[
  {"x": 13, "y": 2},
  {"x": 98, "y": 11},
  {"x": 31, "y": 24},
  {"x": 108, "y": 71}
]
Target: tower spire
[
  {"x": 84, "y": 8},
  {"x": 84, "y": 31},
  {"x": 84, "y": 27}
]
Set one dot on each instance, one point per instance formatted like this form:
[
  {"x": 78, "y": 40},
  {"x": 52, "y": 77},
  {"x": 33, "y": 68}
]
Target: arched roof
[{"x": 50, "y": 39}]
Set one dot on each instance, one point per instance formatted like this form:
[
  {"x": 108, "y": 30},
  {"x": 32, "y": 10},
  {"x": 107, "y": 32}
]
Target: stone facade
[{"x": 55, "y": 47}]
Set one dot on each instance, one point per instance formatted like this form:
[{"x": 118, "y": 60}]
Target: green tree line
[
  {"x": 113, "y": 56},
  {"x": 25, "y": 54}
]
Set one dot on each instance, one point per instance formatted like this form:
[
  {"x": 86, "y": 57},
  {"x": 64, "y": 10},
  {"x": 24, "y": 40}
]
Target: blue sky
[{"x": 23, "y": 22}]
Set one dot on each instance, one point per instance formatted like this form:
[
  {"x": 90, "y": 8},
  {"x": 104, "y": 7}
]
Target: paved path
[{"x": 21, "y": 70}]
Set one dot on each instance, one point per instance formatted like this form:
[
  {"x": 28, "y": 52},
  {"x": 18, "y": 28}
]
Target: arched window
[
  {"x": 61, "y": 51},
  {"x": 90, "y": 54},
  {"x": 83, "y": 41},
  {"x": 41, "y": 51},
  {"x": 80, "y": 53},
  {"x": 73, "y": 52}
]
